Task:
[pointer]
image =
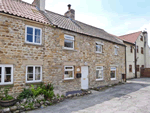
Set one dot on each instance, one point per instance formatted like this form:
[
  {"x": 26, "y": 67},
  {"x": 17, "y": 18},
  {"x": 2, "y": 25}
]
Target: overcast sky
[{"x": 117, "y": 17}]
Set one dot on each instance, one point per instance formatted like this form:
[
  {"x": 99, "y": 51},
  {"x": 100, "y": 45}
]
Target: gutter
[{"x": 125, "y": 63}]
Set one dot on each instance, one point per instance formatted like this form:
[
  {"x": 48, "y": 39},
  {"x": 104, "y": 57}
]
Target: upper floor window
[
  {"x": 68, "y": 72},
  {"x": 130, "y": 68},
  {"x": 99, "y": 47},
  {"x": 142, "y": 50},
  {"x": 6, "y": 74},
  {"x": 33, "y": 74},
  {"x": 137, "y": 48},
  {"x": 68, "y": 42},
  {"x": 131, "y": 49},
  {"x": 142, "y": 66},
  {"x": 33, "y": 35},
  {"x": 99, "y": 73},
  {"x": 141, "y": 38},
  {"x": 116, "y": 50}
]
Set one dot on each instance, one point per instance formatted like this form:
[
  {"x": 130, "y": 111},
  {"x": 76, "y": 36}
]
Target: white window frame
[
  {"x": 34, "y": 81},
  {"x": 115, "y": 72},
  {"x": 3, "y": 74},
  {"x": 102, "y": 69},
  {"x": 33, "y": 35},
  {"x": 116, "y": 48},
  {"x": 100, "y": 44},
  {"x": 69, "y": 70},
  {"x": 65, "y": 38}
]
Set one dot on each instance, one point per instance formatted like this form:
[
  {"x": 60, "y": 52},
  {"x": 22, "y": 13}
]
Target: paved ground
[{"x": 133, "y": 97}]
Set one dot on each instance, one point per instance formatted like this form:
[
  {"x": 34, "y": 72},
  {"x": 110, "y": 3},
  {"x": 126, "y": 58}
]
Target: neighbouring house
[
  {"x": 137, "y": 53},
  {"x": 37, "y": 45}
]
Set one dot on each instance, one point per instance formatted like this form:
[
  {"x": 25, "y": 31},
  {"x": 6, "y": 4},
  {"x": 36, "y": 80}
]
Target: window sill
[
  {"x": 68, "y": 49},
  {"x": 99, "y": 53},
  {"x": 25, "y": 43},
  {"x": 68, "y": 79},
  {"x": 116, "y": 55},
  {"x": 100, "y": 80},
  {"x": 6, "y": 84},
  {"x": 33, "y": 82},
  {"x": 113, "y": 79}
]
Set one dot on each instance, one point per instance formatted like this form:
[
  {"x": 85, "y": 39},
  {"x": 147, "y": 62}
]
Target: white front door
[{"x": 84, "y": 77}]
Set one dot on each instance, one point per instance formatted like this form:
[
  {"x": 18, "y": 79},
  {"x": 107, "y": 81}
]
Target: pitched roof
[
  {"x": 29, "y": 11},
  {"x": 76, "y": 26},
  {"x": 22, "y": 9},
  {"x": 132, "y": 37}
]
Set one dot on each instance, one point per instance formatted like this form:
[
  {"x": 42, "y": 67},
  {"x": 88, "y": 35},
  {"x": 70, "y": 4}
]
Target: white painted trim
[
  {"x": 69, "y": 70},
  {"x": 2, "y": 74},
  {"x": 116, "y": 46},
  {"x": 33, "y": 35},
  {"x": 101, "y": 48},
  {"x": 34, "y": 81},
  {"x": 99, "y": 43}
]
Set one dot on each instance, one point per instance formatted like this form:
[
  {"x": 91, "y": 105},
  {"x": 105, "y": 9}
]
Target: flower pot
[{"x": 7, "y": 103}]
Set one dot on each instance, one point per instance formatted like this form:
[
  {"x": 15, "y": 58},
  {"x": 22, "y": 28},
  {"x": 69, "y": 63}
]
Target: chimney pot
[{"x": 69, "y": 6}]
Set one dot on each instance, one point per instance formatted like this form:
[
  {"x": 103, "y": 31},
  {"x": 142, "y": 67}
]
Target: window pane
[
  {"x": 69, "y": 37},
  {"x": 68, "y": 43},
  {"x": 68, "y": 74},
  {"x": 37, "y": 70},
  {"x": 68, "y": 67},
  {"x": 37, "y": 32},
  {"x": 37, "y": 76},
  {"x": 7, "y": 70},
  {"x": 29, "y": 77},
  {"x": 112, "y": 74},
  {"x": 0, "y": 70},
  {"x": 98, "y": 48},
  {"x": 98, "y": 67},
  {"x": 7, "y": 78},
  {"x": 29, "y": 30},
  {"x": 30, "y": 70},
  {"x": 99, "y": 74},
  {"x": 0, "y": 73},
  {"x": 29, "y": 38},
  {"x": 37, "y": 39}
]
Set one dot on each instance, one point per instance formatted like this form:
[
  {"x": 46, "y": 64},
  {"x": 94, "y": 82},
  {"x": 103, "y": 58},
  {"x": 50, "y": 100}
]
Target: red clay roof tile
[
  {"x": 22, "y": 9},
  {"x": 132, "y": 37}
]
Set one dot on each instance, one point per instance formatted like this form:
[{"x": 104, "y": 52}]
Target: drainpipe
[
  {"x": 135, "y": 61},
  {"x": 125, "y": 65}
]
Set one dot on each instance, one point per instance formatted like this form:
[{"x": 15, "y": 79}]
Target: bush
[
  {"x": 26, "y": 93},
  {"x": 48, "y": 92},
  {"x": 6, "y": 96},
  {"x": 36, "y": 91}
]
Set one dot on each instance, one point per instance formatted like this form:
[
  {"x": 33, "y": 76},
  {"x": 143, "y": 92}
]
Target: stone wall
[{"x": 52, "y": 57}]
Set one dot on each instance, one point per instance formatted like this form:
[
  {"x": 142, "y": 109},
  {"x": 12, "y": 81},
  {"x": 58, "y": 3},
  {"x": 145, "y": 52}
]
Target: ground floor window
[
  {"x": 113, "y": 73},
  {"x": 6, "y": 74},
  {"x": 33, "y": 73},
  {"x": 68, "y": 72},
  {"x": 99, "y": 73}
]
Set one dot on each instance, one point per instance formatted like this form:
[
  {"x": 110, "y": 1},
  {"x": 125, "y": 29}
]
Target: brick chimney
[
  {"x": 70, "y": 13},
  {"x": 40, "y": 4}
]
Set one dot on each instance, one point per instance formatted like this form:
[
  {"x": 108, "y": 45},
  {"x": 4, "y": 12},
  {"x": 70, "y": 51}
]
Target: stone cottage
[
  {"x": 137, "y": 53},
  {"x": 37, "y": 45}
]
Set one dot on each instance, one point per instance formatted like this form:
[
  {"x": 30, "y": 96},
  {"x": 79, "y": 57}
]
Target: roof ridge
[{"x": 129, "y": 33}]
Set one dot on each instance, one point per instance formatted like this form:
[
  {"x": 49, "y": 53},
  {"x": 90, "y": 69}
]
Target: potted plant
[{"x": 7, "y": 100}]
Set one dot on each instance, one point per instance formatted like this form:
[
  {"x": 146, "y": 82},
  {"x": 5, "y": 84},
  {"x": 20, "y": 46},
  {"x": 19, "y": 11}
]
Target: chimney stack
[
  {"x": 70, "y": 13},
  {"x": 40, "y": 4}
]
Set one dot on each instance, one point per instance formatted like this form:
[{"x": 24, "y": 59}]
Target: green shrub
[
  {"x": 26, "y": 93},
  {"x": 36, "y": 91},
  {"x": 6, "y": 96},
  {"x": 48, "y": 92}
]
